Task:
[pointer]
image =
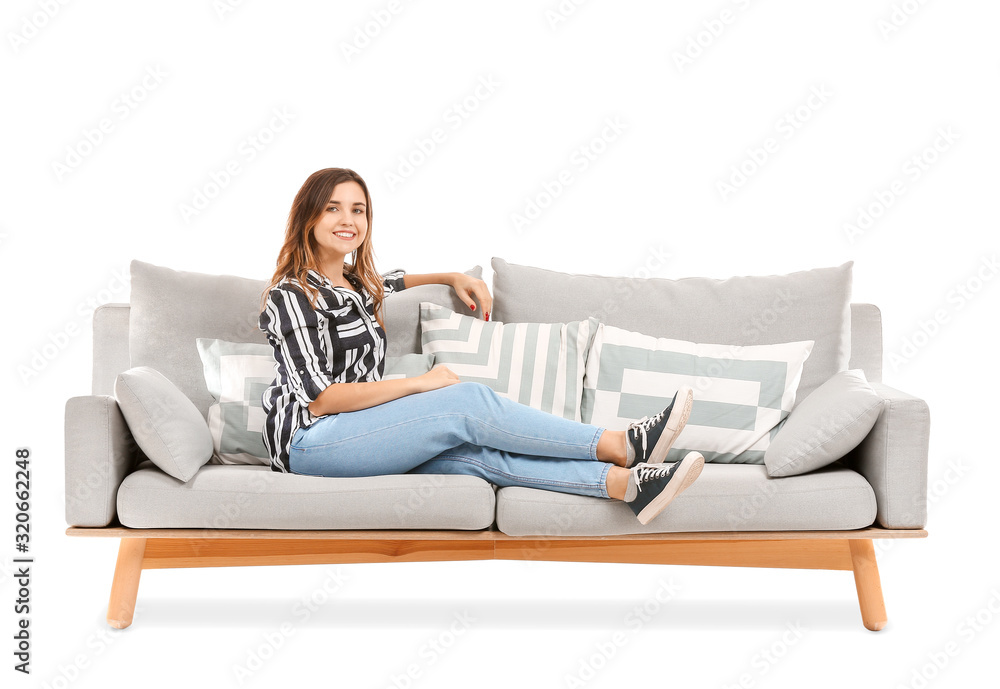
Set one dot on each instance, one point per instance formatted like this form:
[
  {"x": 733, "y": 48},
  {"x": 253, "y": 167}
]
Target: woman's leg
[
  {"x": 397, "y": 436},
  {"x": 581, "y": 477}
]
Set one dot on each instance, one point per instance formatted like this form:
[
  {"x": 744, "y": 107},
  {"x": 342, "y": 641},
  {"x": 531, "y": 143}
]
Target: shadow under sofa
[{"x": 239, "y": 515}]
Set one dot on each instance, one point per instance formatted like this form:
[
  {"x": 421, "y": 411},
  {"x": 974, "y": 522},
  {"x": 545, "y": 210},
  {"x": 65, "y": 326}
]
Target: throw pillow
[
  {"x": 537, "y": 364},
  {"x": 237, "y": 375},
  {"x": 828, "y": 424},
  {"x": 741, "y": 394},
  {"x": 166, "y": 425}
]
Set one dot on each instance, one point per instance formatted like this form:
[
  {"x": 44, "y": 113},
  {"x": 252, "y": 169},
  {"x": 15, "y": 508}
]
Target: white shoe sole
[
  {"x": 675, "y": 424},
  {"x": 686, "y": 474}
]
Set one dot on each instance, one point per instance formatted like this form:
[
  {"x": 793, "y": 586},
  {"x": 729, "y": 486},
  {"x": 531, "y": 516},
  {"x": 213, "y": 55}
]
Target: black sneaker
[
  {"x": 649, "y": 439},
  {"x": 651, "y": 488}
]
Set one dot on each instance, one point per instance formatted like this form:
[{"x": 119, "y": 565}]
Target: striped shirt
[{"x": 337, "y": 342}]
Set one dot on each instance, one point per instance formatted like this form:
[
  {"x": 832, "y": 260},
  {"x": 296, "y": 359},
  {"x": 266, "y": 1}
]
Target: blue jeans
[{"x": 463, "y": 428}]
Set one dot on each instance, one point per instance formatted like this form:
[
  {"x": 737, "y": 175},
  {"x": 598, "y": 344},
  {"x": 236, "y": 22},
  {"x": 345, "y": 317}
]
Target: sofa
[{"x": 735, "y": 514}]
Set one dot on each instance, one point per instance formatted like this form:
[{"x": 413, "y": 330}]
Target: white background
[{"x": 894, "y": 76}]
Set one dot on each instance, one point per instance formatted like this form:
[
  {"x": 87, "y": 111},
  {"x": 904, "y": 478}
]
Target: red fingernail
[{"x": 473, "y": 307}]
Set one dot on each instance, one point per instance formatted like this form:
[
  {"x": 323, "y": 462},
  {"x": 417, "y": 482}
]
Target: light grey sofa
[{"x": 733, "y": 515}]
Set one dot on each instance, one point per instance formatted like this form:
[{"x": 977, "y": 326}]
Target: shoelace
[
  {"x": 649, "y": 472},
  {"x": 642, "y": 426}
]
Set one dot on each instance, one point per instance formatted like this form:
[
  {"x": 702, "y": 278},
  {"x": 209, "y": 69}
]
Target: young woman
[{"x": 329, "y": 413}]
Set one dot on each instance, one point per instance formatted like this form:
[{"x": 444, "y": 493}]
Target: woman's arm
[
  {"x": 340, "y": 397},
  {"x": 465, "y": 286},
  {"x": 411, "y": 280},
  {"x": 291, "y": 322}
]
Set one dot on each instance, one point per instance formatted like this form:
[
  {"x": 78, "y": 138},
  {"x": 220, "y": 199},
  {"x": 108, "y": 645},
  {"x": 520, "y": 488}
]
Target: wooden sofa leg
[
  {"x": 868, "y": 583},
  {"x": 125, "y": 586}
]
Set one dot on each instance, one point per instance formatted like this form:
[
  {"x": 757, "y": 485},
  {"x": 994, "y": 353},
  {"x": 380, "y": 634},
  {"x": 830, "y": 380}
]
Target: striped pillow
[
  {"x": 237, "y": 374},
  {"x": 742, "y": 394},
  {"x": 537, "y": 364}
]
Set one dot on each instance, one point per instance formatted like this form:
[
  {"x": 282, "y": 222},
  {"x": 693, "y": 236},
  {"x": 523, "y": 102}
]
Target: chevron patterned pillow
[
  {"x": 537, "y": 364},
  {"x": 742, "y": 394}
]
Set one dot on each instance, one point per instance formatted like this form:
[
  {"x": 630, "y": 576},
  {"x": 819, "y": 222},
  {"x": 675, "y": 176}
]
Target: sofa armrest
[
  {"x": 100, "y": 452},
  {"x": 893, "y": 458}
]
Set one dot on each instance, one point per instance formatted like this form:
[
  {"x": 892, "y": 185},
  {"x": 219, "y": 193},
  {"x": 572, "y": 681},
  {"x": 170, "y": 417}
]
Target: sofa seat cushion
[
  {"x": 254, "y": 497},
  {"x": 726, "y": 497}
]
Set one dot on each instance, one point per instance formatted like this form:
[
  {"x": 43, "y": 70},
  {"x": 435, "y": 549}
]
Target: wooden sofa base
[{"x": 167, "y": 548}]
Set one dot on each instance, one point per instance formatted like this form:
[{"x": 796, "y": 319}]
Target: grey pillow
[
  {"x": 167, "y": 427},
  {"x": 742, "y": 310},
  {"x": 828, "y": 424},
  {"x": 170, "y": 309}
]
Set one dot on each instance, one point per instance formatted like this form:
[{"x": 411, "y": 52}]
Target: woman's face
[{"x": 343, "y": 225}]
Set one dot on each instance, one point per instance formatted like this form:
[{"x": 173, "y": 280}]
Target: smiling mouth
[{"x": 344, "y": 235}]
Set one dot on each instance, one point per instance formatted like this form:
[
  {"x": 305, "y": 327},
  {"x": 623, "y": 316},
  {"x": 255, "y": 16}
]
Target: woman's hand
[
  {"x": 438, "y": 377},
  {"x": 467, "y": 287}
]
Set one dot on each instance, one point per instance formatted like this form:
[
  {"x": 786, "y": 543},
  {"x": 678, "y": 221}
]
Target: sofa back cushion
[
  {"x": 743, "y": 310},
  {"x": 170, "y": 309}
]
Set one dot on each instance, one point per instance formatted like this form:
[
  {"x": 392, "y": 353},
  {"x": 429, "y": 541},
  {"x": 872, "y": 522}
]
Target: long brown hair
[{"x": 299, "y": 250}]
